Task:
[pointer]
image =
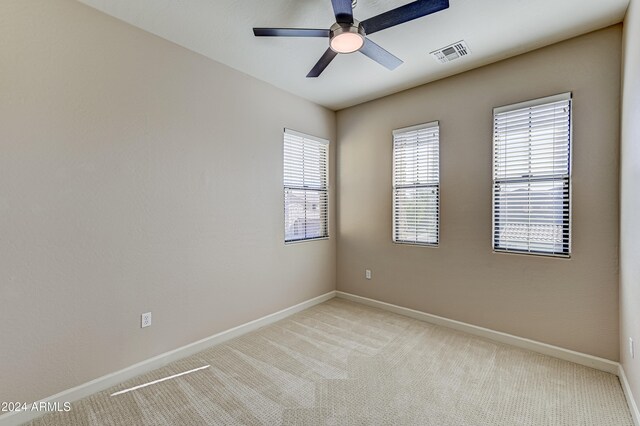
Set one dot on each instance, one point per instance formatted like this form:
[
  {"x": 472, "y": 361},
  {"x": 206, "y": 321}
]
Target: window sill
[
  {"x": 409, "y": 243},
  {"x": 305, "y": 240},
  {"x": 524, "y": 253}
]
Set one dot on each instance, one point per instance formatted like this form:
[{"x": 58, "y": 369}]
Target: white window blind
[
  {"x": 305, "y": 187},
  {"x": 416, "y": 184},
  {"x": 532, "y": 177}
]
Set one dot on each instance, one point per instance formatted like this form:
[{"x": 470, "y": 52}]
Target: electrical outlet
[
  {"x": 631, "y": 348},
  {"x": 145, "y": 320},
  {"x": 367, "y": 274}
]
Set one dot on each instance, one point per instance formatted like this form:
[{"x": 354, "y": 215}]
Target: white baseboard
[
  {"x": 105, "y": 382},
  {"x": 509, "y": 339},
  {"x": 633, "y": 407}
]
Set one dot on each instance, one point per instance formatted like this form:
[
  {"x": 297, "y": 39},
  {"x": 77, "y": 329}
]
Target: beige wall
[
  {"x": 630, "y": 200},
  {"x": 135, "y": 176},
  {"x": 570, "y": 303}
]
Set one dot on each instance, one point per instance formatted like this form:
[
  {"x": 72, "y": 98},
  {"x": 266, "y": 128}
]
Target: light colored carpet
[{"x": 342, "y": 363}]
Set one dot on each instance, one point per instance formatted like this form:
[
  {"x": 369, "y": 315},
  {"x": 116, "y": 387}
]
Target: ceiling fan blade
[
  {"x": 343, "y": 10},
  {"x": 290, "y": 32},
  {"x": 380, "y": 55},
  {"x": 322, "y": 63},
  {"x": 402, "y": 14}
]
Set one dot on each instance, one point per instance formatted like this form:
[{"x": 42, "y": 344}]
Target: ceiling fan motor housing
[{"x": 345, "y": 37}]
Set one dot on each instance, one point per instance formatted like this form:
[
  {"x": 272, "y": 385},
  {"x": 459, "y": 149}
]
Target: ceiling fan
[{"x": 348, "y": 35}]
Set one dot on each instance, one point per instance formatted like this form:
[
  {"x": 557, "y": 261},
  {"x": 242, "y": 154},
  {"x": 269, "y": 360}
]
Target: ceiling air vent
[{"x": 451, "y": 52}]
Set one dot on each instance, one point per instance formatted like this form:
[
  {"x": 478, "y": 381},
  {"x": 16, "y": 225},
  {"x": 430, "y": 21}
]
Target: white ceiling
[{"x": 493, "y": 29}]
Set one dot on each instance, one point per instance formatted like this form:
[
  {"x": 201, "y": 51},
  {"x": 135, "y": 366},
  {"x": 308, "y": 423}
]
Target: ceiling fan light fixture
[{"x": 346, "y": 38}]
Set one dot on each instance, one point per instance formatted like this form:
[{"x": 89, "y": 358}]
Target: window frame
[
  {"x": 325, "y": 190},
  {"x": 568, "y": 225},
  {"x": 394, "y": 187}
]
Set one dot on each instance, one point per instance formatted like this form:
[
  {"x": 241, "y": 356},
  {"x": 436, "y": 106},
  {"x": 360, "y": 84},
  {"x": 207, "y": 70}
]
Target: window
[
  {"x": 416, "y": 184},
  {"x": 305, "y": 187},
  {"x": 532, "y": 177}
]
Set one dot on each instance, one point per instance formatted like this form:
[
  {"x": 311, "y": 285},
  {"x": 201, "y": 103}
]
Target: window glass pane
[
  {"x": 305, "y": 214},
  {"x": 531, "y": 216},
  {"x": 416, "y": 213}
]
